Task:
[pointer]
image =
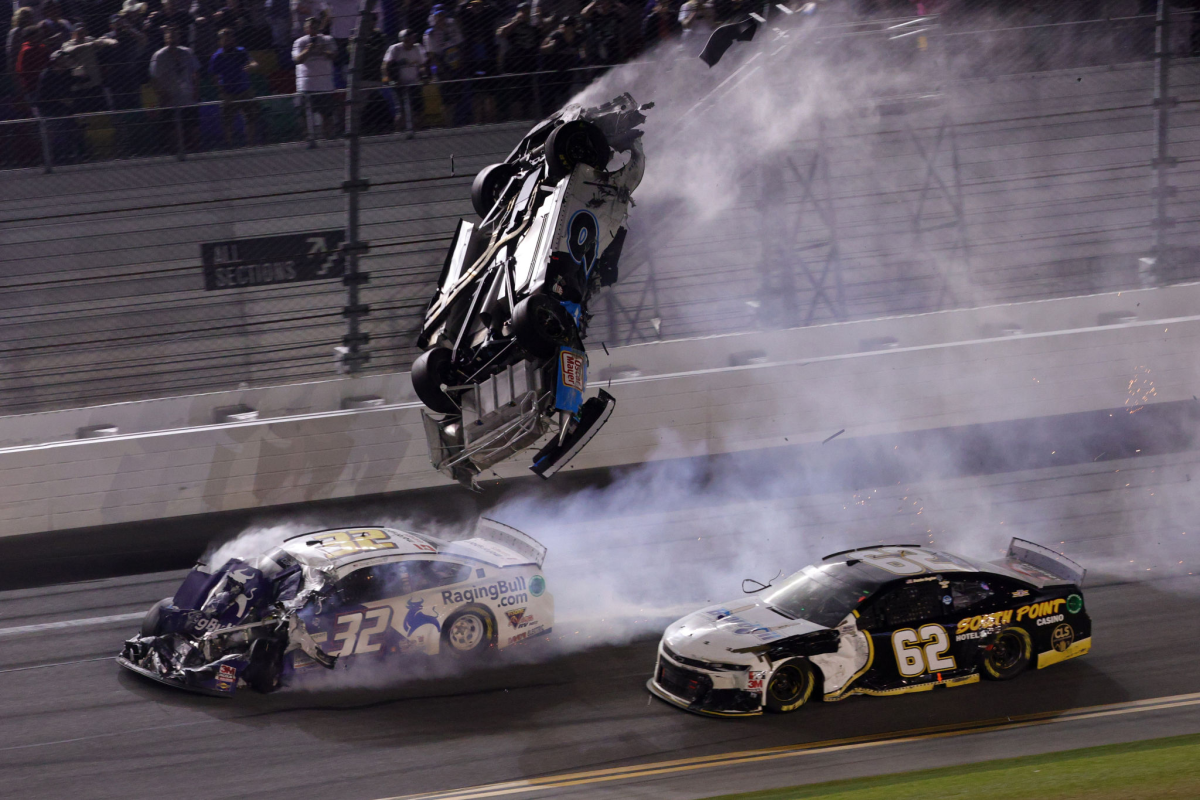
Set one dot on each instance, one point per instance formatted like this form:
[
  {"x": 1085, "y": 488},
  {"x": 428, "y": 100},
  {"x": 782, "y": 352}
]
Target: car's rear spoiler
[
  {"x": 1045, "y": 560},
  {"x": 520, "y": 543}
]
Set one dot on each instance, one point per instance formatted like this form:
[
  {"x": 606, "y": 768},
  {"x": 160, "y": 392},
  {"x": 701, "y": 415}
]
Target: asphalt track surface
[{"x": 72, "y": 724}]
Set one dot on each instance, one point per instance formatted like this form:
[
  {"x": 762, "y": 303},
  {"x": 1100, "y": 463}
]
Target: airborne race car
[
  {"x": 504, "y": 362},
  {"x": 343, "y": 596},
  {"x": 878, "y": 621}
]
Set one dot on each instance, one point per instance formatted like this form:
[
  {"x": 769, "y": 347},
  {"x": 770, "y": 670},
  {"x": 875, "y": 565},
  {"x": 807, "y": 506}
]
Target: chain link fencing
[{"x": 1007, "y": 162}]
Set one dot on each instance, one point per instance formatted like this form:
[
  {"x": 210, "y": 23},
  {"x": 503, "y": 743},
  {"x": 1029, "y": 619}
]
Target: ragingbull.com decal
[{"x": 504, "y": 592}]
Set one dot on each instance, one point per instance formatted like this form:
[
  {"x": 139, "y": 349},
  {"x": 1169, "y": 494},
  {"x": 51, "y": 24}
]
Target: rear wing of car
[
  {"x": 520, "y": 543},
  {"x": 1022, "y": 553}
]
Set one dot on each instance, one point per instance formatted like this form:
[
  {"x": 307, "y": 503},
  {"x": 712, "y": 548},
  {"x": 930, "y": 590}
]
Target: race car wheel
[
  {"x": 152, "y": 622},
  {"x": 430, "y": 372},
  {"x": 578, "y": 142},
  {"x": 1008, "y": 655},
  {"x": 488, "y": 185},
  {"x": 264, "y": 672},
  {"x": 542, "y": 325},
  {"x": 790, "y": 687},
  {"x": 467, "y": 634}
]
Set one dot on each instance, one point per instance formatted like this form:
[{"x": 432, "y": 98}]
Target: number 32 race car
[
  {"x": 343, "y": 596},
  {"x": 504, "y": 362},
  {"x": 878, "y": 621}
]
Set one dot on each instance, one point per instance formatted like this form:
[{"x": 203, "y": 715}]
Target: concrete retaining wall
[{"x": 719, "y": 394}]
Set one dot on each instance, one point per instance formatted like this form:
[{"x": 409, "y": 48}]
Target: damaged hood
[{"x": 711, "y": 634}]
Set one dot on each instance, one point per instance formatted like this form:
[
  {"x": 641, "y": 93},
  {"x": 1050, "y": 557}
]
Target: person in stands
[
  {"x": 405, "y": 67},
  {"x": 174, "y": 70},
  {"x": 229, "y": 65},
  {"x": 314, "y": 54}
]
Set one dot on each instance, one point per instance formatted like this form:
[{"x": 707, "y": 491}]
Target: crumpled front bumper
[
  {"x": 692, "y": 689},
  {"x": 217, "y": 678}
]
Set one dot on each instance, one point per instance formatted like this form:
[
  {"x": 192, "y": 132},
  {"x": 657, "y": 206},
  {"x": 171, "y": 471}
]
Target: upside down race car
[
  {"x": 878, "y": 621},
  {"x": 503, "y": 335},
  {"x": 337, "y": 597}
]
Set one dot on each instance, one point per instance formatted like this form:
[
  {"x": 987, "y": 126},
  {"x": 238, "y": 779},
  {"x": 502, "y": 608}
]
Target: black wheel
[
  {"x": 468, "y": 633},
  {"x": 542, "y": 325},
  {"x": 578, "y": 142},
  {"x": 790, "y": 687},
  {"x": 488, "y": 185},
  {"x": 264, "y": 672},
  {"x": 152, "y": 622},
  {"x": 1008, "y": 655},
  {"x": 430, "y": 372}
]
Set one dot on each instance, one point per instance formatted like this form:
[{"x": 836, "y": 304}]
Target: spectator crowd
[{"x": 426, "y": 62}]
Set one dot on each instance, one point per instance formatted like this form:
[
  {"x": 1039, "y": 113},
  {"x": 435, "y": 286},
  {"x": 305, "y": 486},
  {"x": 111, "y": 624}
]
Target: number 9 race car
[
  {"x": 503, "y": 335},
  {"x": 878, "y": 621},
  {"x": 343, "y": 596}
]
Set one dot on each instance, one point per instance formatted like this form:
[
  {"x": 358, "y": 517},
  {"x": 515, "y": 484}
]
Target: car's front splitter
[
  {"x": 154, "y": 676},
  {"x": 663, "y": 694}
]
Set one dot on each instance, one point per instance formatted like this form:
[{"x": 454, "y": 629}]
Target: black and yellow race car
[{"x": 878, "y": 620}]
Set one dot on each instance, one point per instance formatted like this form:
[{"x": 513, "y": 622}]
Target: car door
[{"x": 908, "y": 627}]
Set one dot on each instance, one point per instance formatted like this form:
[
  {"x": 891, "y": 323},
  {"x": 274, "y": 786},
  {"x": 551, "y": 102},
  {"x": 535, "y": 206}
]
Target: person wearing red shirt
[{"x": 33, "y": 58}]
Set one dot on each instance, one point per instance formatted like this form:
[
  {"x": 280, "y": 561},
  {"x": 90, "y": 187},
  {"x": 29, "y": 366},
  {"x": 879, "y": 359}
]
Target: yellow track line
[{"x": 788, "y": 751}]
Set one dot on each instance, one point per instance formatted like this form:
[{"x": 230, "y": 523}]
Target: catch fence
[{"x": 968, "y": 181}]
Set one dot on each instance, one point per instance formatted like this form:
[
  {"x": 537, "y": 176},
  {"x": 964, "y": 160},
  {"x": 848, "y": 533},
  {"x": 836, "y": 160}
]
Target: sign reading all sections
[{"x": 267, "y": 260}]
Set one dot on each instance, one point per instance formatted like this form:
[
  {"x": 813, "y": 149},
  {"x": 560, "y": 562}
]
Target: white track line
[{"x": 71, "y": 623}]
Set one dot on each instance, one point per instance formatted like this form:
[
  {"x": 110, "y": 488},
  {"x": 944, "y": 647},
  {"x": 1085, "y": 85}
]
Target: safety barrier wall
[{"x": 363, "y": 436}]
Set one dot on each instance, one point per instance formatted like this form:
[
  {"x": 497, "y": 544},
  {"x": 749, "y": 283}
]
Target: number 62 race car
[
  {"x": 344, "y": 597},
  {"x": 878, "y": 621}
]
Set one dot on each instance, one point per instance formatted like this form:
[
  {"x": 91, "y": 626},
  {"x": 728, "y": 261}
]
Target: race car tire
[
  {"x": 487, "y": 186},
  {"x": 152, "y": 622},
  {"x": 264, "y": 672},
  {"x": 790, "y": 687},
  {"x": 1008, "y": 655},
  {"x": 577, "y": 142},
  {"x": 468, "y": 633},
  {"x": 541, "y": 325},
  {"x": 430, "y": 372}
]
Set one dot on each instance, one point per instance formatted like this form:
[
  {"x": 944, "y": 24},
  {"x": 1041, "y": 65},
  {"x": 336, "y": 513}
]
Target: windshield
[{"x": 824, "y": 595}]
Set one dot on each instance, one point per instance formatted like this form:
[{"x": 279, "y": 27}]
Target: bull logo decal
[{"x": 415, "y": 618}]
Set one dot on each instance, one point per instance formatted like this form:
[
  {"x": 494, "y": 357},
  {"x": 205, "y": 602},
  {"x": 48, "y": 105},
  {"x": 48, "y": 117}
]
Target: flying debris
[{"x": 724, "y": 37}]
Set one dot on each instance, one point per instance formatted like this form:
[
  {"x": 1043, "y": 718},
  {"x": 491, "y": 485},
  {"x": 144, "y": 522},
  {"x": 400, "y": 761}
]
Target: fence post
[
  {"x": 1160, "y": 264},
  {"x": 47, "y": 150},
  {"x": 310, "y": 122},
  {"x": 406, "y": 97},
  {"x": 180, "y": 151},
  {"x": 353, "y": 356}
]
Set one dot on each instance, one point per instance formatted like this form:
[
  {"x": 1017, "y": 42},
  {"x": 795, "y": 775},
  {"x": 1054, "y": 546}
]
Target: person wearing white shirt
[
  {"x": 404, "y": 66},
  {"x": 313, "y": 54}
]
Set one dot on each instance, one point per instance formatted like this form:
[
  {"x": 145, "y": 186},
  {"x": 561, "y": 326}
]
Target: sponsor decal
[
  {"x": 537, "y": 585},
  {"x": 1074, "y": 604},
  {"x": 755, "y": 681},
  {"x": 572, "y": 370},
  {"x": 515, "y": 616},
  {"x": 225, "y": 677},
  {"x": 1050, "y": 620},
  {"x": 504, "y": 592},
  {"x": 1062, "y": 637},
  {"x": 416, "y": 617},
  {"x": 521, "y": 636},
  {"x": 1039, "y": 609},
  {"x": 983, "y": 623},
  {"x": 741, "y": 626},
  {"x": 229, "y": 671},
  {"x": 923, "y": 580},
  {"x": 1021, "y": 593}
]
